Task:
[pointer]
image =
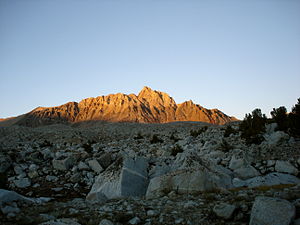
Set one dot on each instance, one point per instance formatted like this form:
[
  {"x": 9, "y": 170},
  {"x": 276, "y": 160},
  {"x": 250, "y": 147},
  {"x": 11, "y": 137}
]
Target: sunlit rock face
[{"x": 149, "y": 106}]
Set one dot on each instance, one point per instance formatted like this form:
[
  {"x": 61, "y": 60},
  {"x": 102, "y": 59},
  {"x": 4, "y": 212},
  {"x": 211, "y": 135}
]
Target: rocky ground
[{"x": 120, "y": 173}]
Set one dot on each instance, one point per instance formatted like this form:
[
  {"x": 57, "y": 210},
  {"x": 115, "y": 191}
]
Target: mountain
[{"x": 149, "y": 106}]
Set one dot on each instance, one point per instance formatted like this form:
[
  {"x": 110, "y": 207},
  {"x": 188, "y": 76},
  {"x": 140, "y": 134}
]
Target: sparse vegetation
[
  {"x": 294, "y": 120},
  {"x": 46, "y": 143},
  {"x": 155, "y": 139},
  {"x": 225, "y": 146},
  {"x": 174, "y": 138},
  {"x": 88, "y": 146},
  {"x": 176, "y": 149},
  {"x": 253, "y": 127},
  {"x": 138, "y": 136},
  {"x": 3, "y": 180},
  {"x": 280, "y": 117},
  {"x": 229, "y": 130},
  {"x": 196, "y": 133}
]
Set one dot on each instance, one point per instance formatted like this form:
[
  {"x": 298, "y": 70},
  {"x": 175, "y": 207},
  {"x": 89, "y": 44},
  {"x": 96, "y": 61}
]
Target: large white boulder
[
  {"x": 272, "y": 211},
  {"x": 276, "y": 138},
  {"x": 189, "y": 173},
  {"x": 126, "y": 177},
  {"x": 187, "y": 181}
]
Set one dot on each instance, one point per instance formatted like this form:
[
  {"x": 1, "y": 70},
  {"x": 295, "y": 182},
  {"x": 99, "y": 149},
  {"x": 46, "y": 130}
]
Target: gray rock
[
  {"x": 95, "y": 166},
  {"x": 272, "y": 211},
  {"x": 187, "y": 181},
  {"x": 22, "y": 182},
  {"x": 11, "y": 196},
  {"x": 106, "y": 222},
  {"x": 63, "y": 164},
  {"x": 267, "y": 180},
  {"x": 285, "y": 167},
  {"x": 270, "y": 128},
  {"x": 224, "y": 210},
  {"x": 96, "y": 197},
  {"x": 134, "y": 221},
  {"x": 57, "y": 189},
  {"x": 236, "y": 163},
  {"x": 46, "y": 217},
  {"x": 51, "y": 178},
  {"x": 118, "y": 182},
  {"x": 271, "y": 163},
  {"x": 63, "y": 221},
  {"x": 33, "y": 174},
  {"x": 75, "y": 178},
  {"x": 159, "y": 170},
  {"x": 152, "y": 212},
  {"x": 33, "y": 167},
  {"x": 83, "y": 166},
  {"x": 47, "y": 153},
  {"x": 18, "y": 170},
  {"x": 276, "y": 138},
  {"x": 190, "y": 204},
  {"x": 246, "y": 172}
]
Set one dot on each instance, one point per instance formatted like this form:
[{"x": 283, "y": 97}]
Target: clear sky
[{"x": 234, "y": 55}]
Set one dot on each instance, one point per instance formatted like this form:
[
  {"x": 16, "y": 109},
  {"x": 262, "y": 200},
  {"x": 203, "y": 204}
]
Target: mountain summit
[{"x": 149, "y": 106}]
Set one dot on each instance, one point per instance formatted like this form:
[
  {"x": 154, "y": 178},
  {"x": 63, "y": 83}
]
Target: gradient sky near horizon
[{"x": 234, "y": 55}]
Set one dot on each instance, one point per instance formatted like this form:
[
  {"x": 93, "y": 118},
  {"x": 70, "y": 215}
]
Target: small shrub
[
  {"x": 225, "y": 146},
  {"x": 229, "y": 130},
  {"x": 88, "y": 146},
  {"x": 176, "y": 149},
  {"x": 138, "y": 136},
  {"x": 155, "y": 139},
  {"x": 46, "y": 143},
  {"x": 3, "y": 181},
  {"x": 253, "y": 126},
  {"x": 196, "y": 133},
  {"x": 122, "y": 217},
  {"x": 174, "y": 138}
]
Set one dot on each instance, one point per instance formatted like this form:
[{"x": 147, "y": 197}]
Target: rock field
[{"x": 129, "y": 173}]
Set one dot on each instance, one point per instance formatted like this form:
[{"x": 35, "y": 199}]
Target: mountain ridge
[{"x": 149, "y": 106}]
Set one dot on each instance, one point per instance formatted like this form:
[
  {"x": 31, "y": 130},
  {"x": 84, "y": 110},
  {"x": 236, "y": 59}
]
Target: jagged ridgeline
[{"x": 149, "y": 106}]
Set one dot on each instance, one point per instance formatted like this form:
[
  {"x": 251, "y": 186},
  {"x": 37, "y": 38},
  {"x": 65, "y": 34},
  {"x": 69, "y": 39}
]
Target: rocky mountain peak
[
  {"x": 149, "y": 106},
  {"x": 156, "y": 98}
]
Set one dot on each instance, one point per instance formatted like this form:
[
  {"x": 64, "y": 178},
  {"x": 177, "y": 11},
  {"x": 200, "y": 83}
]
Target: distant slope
[
  {"x": 10, "y": 121},
  {"x": 148, "y": 106}
]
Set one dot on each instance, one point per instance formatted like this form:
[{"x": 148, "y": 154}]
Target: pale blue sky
[{"x": 226, "y": 54}]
